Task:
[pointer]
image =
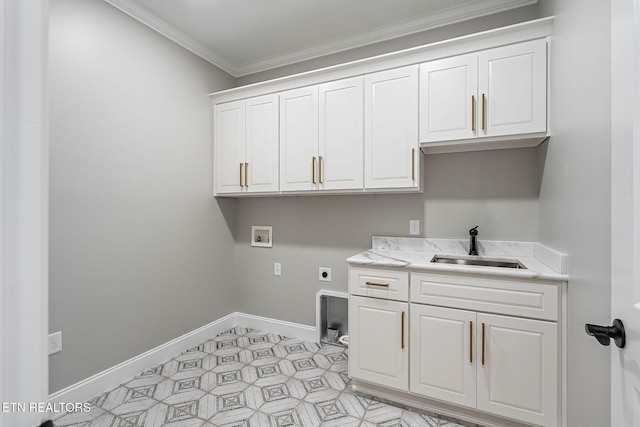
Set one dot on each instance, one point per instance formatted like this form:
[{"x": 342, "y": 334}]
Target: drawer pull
[
  {"x": 413, "y": 164},
  {"x": 484, "y": 108},
  {"x": 483, "y": 344},
  {"x": 246, "y": 180},
  {"x": 241, "y": 185},
  {"x": 402, "y": 331},
  {"x": 382, "y": 285},
  {"x": 313, "y": 170},
  {"x": 473, "y": 113},
  {"x": 471, "y": 342}
]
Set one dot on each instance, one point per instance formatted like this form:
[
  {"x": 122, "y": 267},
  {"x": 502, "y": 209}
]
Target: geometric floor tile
[
  {"x": 415, "y": 419},
  {"x": 248, "y": 378}
]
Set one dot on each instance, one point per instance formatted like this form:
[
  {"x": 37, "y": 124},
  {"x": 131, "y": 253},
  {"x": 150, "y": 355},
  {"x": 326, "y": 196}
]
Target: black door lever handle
[{"x": 604, "y": 333}]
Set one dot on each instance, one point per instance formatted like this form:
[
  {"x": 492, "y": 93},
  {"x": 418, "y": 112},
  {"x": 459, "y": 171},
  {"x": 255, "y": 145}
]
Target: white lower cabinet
[
  {"x": 502, "y": 364},
  {"x": 442, "y": 354},
  {"x": 378, "y": 350},
  {"x": 499, "y": 364},
  {"x": 518, "y": 376}
]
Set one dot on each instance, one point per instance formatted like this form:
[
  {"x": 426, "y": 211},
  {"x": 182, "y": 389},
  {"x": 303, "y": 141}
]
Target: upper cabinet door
[
  {"x": 341, "y": 135},
  {"x": 299, "y": 139},
  {"x": 448, "y": 98},
  {"x": 229, "y": 123},
  {"x": 392, "y": 155},
  {"x": 512, "y": 87},
  {"x": 261, "y": 159}
]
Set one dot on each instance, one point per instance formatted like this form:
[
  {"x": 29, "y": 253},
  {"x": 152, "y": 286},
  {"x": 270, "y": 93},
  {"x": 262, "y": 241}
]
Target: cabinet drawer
[
  {"x": 512, "y": 297},
  {"x": 377, "y": 283}
]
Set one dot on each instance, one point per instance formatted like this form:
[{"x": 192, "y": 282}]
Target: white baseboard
[
  {"x": 288, "y": 329},
  {"x": 112, "y": 377}
]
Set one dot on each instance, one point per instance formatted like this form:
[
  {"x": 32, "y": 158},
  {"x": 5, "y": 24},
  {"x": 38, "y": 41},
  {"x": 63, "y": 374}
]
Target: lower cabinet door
[
  {"x": 518, "y": 368},
  {"x": 378, "y": 345},
  {"x": 442, "y": 355}
]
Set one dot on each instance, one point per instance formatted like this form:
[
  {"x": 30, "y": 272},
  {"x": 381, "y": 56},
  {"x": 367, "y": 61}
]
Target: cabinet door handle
[
  {"x": 313, "y": 170},
  {"x": 471, "y": 342},
  {"x": 241, "y": 175},
  {"x": 402, "y": 331},
  {"x": 483, "y": 344},
  {"x": 484, "y": 106},
  {"x": 246, "y": 169},
  {"x": 473, "y": 113},
  {"x": 413, "y": 164},
  {"x": 382, "y": 285},
  {"x": 320, "y": 167}
]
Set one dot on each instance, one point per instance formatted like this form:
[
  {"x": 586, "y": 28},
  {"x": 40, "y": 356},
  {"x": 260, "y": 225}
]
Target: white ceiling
[{"x": 247, "y": 36}]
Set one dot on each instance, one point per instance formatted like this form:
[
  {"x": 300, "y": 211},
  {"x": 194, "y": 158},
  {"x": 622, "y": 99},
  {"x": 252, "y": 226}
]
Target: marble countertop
[{"x": 541, "y": 262}]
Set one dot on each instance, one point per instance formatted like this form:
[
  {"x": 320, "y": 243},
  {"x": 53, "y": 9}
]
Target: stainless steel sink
[{"x": 485, "y": 262}]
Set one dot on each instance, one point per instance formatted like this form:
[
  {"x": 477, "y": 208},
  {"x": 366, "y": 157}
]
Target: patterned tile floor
[{"x": 248, "y": 378}]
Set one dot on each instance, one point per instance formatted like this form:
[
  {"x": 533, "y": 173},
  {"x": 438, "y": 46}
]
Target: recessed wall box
[
  {"x": 262, "y": 236},
  {"x": 332, "y": 316}
]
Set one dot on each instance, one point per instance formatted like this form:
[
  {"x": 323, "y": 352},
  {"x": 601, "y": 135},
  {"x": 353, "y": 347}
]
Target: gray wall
[
  {"x": 497, "y": 190},
  {"x": 575, "y": 199},
  {"x": 139, "y": 250}
]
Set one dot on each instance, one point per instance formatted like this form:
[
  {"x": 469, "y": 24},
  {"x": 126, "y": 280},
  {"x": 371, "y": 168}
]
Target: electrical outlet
[
  {"x": 277, "y": 269},
  {"x": 414, "y": 227},
  {"x": 55, "y": 342},
  {"x": 324, "y": 274}
]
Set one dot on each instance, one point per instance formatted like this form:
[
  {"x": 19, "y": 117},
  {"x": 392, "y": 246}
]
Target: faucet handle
[{"x": 474, "y": 231}]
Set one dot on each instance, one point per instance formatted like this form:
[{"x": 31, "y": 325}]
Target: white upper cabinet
[
  {"x": 499, "y": 92},
  {"x": 321, "y": 142},
  {"x": 512, "y": 80},
  {"x": 261, "y": 148},
  {"x": 362, "y": 127},
  {"x": 299, "y": 139},
  {"x": 340, "y": 152},
  {"x": 229, "y": 123},
  {"x": 392, "y": 155},
  {"x": 246, "y": 145},
  {"x": 448, "y": 98}
]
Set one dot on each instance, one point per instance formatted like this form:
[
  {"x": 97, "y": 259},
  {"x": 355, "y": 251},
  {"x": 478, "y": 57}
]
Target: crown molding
[
  {"x": 444, "y": 17},
  {"x": 515, "y": 33},
  {"x": 448, "y": 16}
]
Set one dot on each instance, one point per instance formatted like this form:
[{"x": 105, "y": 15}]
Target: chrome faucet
[{"x": 473, "y": 244}]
